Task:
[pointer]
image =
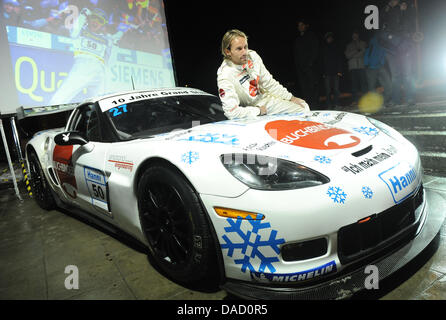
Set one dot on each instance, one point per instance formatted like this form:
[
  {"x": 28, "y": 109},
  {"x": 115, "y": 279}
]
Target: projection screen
[{"x": 58, "y": 52}]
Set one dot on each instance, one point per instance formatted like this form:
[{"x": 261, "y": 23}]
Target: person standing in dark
[
  {"x": 331, "y": 70},
  {"x": 398, "y": 26},
  {"x": 306, "y": 51},
  {"x": 408, "y": 52},
  {"x": 391, "y": 18},
  {"x": 354, "y": 53},
  {"x": 376, "y": 71}
]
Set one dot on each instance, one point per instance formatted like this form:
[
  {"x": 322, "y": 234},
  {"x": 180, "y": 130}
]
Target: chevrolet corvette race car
[{"x": 281, "y": 206}]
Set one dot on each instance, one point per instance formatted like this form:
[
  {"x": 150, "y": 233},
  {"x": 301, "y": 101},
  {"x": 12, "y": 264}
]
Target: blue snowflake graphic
[
  {"x": 322, "y": 159},
  {"x": 190, "y": 157},
  {"x": 337, "y": 194},
  {"x": 252, "y": 240},
  {"x": 367, "y": 192},
  {"x": 214, "y": 138},
  {"x": 367, "y": 131}
]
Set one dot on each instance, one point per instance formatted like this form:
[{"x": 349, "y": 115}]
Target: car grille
[{"x": 380, "y": 231}]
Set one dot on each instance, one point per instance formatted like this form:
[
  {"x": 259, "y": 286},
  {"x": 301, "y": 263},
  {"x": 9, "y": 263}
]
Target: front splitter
[{"x": 347, "y": 284}]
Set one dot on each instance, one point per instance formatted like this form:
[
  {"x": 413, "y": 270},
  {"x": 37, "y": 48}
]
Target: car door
[{"x": 88, "y": 162}]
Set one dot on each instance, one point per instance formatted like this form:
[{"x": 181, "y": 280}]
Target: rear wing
[{"x": 40, "y": 111}]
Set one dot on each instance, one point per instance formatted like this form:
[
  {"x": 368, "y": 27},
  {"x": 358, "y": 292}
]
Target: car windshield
[{"x": 154, "y": 116}]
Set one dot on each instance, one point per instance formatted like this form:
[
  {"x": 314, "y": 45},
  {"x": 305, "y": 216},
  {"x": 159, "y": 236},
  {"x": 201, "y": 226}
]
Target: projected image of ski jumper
[{"x": 92, "y": 47}]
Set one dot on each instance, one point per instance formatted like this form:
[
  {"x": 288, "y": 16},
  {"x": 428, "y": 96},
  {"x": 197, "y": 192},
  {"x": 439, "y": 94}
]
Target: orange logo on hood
[{"x": 313, "y": 135}]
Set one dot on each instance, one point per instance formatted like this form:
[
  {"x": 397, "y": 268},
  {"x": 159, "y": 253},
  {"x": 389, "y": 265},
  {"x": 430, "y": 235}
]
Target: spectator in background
[
  {"x": 12, "y": 13},
  {"x": 376, "y": 72},
  {"x": 398, "y": 24},
  {"x": 306, "y": 51},
  {"x": 56, "y": 15},
  {"x": 407, "y": 53},
  {"x": 331, "y": 70},
  {"x": 390, "y": 16},
  {"x": 354, "y": 53}
]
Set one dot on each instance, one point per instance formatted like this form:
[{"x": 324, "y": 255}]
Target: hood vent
[{"x": 363, "y": 151}]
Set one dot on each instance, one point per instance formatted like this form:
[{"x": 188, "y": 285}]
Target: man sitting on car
[{"x": 246, "y": 88}]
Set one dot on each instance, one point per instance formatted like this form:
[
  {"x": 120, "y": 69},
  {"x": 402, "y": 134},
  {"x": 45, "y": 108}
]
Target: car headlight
[
  {"x": 388, "y": 130},
  {"x": 268, "y": 173}
]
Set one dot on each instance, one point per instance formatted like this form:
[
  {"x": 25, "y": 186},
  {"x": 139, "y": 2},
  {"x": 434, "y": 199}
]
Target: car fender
[
  {"x": 135, "y": 155},
  {"x": 42, "y": 144}
]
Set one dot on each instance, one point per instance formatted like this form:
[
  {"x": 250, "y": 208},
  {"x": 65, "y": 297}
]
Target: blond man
[{"x": 246, "y": 88}]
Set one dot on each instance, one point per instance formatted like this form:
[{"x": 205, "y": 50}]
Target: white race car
[{"x": 284, "y": 206}]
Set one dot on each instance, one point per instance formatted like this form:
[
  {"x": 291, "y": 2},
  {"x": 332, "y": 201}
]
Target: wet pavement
[{"x": 37, "y": 246}]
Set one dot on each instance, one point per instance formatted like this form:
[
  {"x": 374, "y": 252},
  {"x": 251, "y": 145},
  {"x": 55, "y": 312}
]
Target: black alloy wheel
[
  {"x": 168, "y": 230},
  {"x": 175, "y": 225},
  {"x": 39, "y": 185}
]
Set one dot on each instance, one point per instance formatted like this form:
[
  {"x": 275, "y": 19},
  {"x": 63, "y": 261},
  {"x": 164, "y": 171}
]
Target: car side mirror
[{"x": 70, "y": 138}]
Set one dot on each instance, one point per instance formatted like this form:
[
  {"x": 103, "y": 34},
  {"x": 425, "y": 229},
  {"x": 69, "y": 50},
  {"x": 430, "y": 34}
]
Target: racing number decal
[
  {"x": 313, "y": 135},
  {"x": 64, "y": 169},
  {"x": 118, "y": 110},
  {"x": 97, "y": 188},
  {"x": 98, "y": 192}
]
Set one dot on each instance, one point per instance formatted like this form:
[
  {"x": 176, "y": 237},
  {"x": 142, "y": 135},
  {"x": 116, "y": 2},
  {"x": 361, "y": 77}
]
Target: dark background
[{"x": 197, "y": 27}]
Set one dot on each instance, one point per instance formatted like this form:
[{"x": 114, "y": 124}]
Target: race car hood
[
  {"x": 329, "y": 142},
  {"x": 296, "y": 137}
]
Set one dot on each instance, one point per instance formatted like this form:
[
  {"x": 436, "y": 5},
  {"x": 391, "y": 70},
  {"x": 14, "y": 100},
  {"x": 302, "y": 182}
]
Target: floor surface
[{"x": 37, "y": 246}]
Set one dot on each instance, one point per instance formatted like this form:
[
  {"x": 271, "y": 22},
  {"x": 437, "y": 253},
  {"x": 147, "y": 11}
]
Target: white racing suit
[
  {"x": 244, "y": 88},
  {"x": 91, "y": 53}
]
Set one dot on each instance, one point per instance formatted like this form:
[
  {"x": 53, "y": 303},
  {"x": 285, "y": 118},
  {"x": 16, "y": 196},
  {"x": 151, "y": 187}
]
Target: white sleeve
[
  {"x": 79, "y": 23},
  {"x": 269, "y": 84},
  {"x": 231, "y": 102}
]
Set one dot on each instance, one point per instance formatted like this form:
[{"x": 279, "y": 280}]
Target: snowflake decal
[
  {"x": 214, "y": 138},
  {"x": 367, "y": 131},
  {"x": 322, "y": 159},
  {"x": 337, "y": 194},
  {"x": 190, "y": 157},
  {"x": 367, "y": 192},
  {"x": 252, "y": 250}
]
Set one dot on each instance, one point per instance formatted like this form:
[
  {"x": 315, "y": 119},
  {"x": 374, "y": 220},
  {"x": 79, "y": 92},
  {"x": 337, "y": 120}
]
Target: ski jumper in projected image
[{"x": 92, "y": 48}]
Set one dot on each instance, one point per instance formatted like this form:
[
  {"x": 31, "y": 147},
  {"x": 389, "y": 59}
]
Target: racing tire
[
  {"x": 39, "y": 185},
  {"x": 175, "y": 225}
]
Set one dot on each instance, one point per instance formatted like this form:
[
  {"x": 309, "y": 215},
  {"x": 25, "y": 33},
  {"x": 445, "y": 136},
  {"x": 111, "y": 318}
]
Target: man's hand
[
  {"x": 262, "y": 110},
  {"x": 297, "y": 100},
  {"x": 301, "y": 103}
]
